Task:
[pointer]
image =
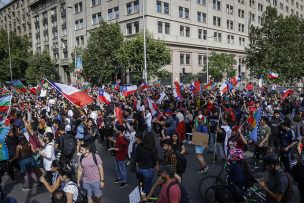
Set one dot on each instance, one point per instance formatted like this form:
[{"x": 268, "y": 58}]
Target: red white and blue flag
[
  {"x": 195, "y": 86},
  {"x": 272, "y": 75},
  {"x": 177, "y": 90},
  {"x": 152, "y": 106},
  {"x": 104, "y": 97},
  {"x": 74, "y": 95},
  {"x": 128, "y": 90},
  {"x": 235, "y": 80},
  {"x": 286, "y": 93},
  {"x": 143, "y": 86},
  {"x": 224, "y": 88}
]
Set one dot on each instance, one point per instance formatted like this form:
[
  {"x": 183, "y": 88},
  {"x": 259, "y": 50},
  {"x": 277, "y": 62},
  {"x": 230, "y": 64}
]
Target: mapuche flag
[{"x": 19, "y": 86}]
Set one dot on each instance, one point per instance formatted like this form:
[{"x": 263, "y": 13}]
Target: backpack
[
  {"x": 82, "y": 194},
  {"x": 181, "y": 163},
  {"x": 69, "y": 145},
  {"x": 184, "y": 194},
  {"x": 288, "y": 195}
]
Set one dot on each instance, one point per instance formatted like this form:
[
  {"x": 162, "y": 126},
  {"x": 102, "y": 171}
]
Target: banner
[
  {"x": 3, "y": 147},
  {"x": 78, "y": 64}
]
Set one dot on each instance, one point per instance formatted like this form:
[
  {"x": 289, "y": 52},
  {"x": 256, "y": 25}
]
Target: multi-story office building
[
  {"x": 15, "y": 17},
  {"x": 192, "y": 29}
]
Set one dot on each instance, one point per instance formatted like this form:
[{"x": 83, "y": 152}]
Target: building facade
[{"x": 192, "y": 29}]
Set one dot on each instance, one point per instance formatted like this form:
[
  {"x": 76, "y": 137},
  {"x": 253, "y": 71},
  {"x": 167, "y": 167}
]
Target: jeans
[
  {"x": 146, "y": 176},
  {"x": 211, "y": 142},
  {"x": 149, "y": 129},
  {"x": 121, "y": 170},
  {"x": 220, "y": 151}
]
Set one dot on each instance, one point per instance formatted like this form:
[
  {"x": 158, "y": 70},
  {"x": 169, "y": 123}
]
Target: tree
[
  {"x": 158, "y": 55},
  {"x": 221, "y": 65},
  {"x": 277, "y": 46},
  {"x": 40, "y": 65},
  {"x": 19, "y": 54},
  {"x": 101, "y": 58}
]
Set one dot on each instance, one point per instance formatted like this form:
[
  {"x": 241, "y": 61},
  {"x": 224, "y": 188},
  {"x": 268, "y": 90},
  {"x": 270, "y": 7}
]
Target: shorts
[
  {"x": 26, "y": 164},
  {"x": 93, "y": 189},
  {"x": 199, "y": 149}
]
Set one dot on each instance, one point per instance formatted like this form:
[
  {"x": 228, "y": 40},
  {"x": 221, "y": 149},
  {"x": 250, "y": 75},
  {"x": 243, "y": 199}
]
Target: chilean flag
[
  {"x": 119, "y": 115},
  {"x": 128, "y": 90},
  {"x": 195, "y": 86},
  {"x": 143, "y": 86},
  {"x": 177, "y": 89},
  {"x": 104, "y": 97},
  {"x": 224, "y": 88},
  {"x": 286, "y": 93},
  {"x": 272, "y": 75},
  {"x": 74, "y": 95},
  {"x": 235, "y": 80},
  {"x": 152, "y": 106}
]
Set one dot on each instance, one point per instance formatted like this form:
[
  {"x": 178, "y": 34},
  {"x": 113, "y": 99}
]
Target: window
[
  {"x": 241, "y": 27},
  {"x": 230, "y": 39},
  {"x": 200, "y": 33},
  {"x": 166, "y": 8},
  {"x": 183, "y": 12},
  {"x": 287, "y": 9},
  {"x": 129, "y": 28},
  {"x": 113, "y": 13},
  {"x": 184, "y": 59},
  {"x": 96, "y": 18},
  {"x": 259, "y": 19},
  {"x": 79, "y": 41},
  {"x": 132, "y": 7},
  {"x": 204, "y": 34},
  {"x": 281, "y": 6},
  {"x": 159, "y": 6},
  {"x": 216, "y": 21},
  {"x": 241, "y": 13},
  {"x": 136, "y": 26},
  {"x": 79, "y": 24},
  {"x": 301, "y": 7},
  {"x": 201, "y": 17},
  {"x": 160, "y": 27},
  {"x": 217, "y": 36},
  {"x": 184, "y": 31},
  {"x": 78, "y": 7},
  {"x": 64, "y": 31},
  {"x": 96, "y": 2},
  {"x": 167, "y": 28},
  {"x": 251, "y": 17},
  {"x": 241, "y": 41},
  {"x": 230, "y": 24},
  {"x": 217, "y": 5},
  {"x": 201, "y": 2},
  {"x": 252, "y": 3},
  {"x": 260, "y": 7},
  {"x": 202, "y": 60},
  {"x": 229, "y": 9},
  {"x": 292, "y": 2},
  {"x": 241, "y": 1}
]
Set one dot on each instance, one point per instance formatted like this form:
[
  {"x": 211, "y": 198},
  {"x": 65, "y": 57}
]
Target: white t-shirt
[
  {"x": 148, "y": 119},
  {"x": 94, "y": 116},
  {"x": 50, "y": 156},
  {"x": 71, "y": 187}
]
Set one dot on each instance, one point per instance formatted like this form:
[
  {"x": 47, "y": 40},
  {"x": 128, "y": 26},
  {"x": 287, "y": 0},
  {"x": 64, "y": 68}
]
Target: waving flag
[
  {"x": 254, "y": 122},
  {"x": 195, "y": 86},
  {"x": 235, "y": 80},
  {"x": 208, "y": 86},
  {"x": 104, "y": 97},
  {"x": 19, "y": 86},
  {"x": 128, "y": 90},
  {"x": 161, "y": 98},
  {"x": 5, "y": 103},
  {"x": 156, "y": 83},
  {"x": 152, "y": 106},
  {"x": 143, "y": 86},
  {"x": 224, "y": 88},
  {"x": 3, "y": 147},
  {"x": 74, "y": 95},
  {"x": 272, "y": 75},
  {"x": 177, "y": 89},
  {"x": 286, "y": 93}
]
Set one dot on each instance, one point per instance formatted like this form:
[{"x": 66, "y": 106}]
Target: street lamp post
[
  {"x": 207, "y": 69},
  {"x": 145, "y": 72},
  {"x": 9, "y": 54}
]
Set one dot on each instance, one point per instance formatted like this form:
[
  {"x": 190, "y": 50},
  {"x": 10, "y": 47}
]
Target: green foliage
[
  {"x": 163, "y": 74},
  {"x": 19, "y": 55},
  {"x": 101, "y": 58},
  {"x": 277, "y": 46},
  {"x": 40, "y": 66},
  {"x": 158, "y": 55},
  {"x": 221, "y": 65}
]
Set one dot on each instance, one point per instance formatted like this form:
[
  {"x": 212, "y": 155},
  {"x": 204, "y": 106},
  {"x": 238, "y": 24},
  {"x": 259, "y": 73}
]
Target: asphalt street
[{"x": 111, "y": 192}]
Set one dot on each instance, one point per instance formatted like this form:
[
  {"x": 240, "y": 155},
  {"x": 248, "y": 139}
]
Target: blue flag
[{"x": 254, "y": 133}]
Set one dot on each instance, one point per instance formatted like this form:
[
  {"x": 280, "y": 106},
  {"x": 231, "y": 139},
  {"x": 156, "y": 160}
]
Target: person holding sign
[{"x": 199, "y": 149}]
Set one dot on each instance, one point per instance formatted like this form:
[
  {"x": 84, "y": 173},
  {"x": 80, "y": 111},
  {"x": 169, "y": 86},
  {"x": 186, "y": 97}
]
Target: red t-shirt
[
  {"x": 122, "y": 145},
  {"x": 174, "y": 193}
]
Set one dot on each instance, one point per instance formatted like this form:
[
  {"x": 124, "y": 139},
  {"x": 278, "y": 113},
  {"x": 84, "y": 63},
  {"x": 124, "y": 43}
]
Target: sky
[{"x": 4, "y": 2}]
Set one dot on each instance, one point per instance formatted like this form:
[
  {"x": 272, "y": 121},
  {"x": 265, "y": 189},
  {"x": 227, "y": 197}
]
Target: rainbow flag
[
  {"x": 19, "y": 86},
  {"x": 208, "y": 86},
  {"x": 5, "y": 103},
  {"x": 3, "y": 147}
]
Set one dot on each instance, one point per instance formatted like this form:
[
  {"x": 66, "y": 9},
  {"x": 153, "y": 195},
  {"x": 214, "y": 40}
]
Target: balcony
[{"x": 44, "y": 19}]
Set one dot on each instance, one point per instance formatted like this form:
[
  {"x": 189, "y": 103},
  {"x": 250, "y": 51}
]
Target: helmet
[
  {"x": 272, "y": 158},
  {"x": 236, "y": 154}
]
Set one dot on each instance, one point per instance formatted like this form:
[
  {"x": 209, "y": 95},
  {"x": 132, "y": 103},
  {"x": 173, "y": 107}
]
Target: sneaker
[
  {"x": 122, "y": 185},
  {"x": 117, "y": 181},
  {"x": 203, "y": 170},
  {"x": 189, "y": 142},
  {"x": 128, "y": 163},
  {"x": 26, "y": 189}
]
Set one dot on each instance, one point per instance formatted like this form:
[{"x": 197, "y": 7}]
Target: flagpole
[
  {"x": 60, "y": 92},
  {"x": 9, "y": 54},
  {"x": 145, "y": 75}
]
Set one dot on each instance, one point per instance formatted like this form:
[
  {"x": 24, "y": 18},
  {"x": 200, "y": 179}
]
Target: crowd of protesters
[{"x": 53, "y": 142}]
